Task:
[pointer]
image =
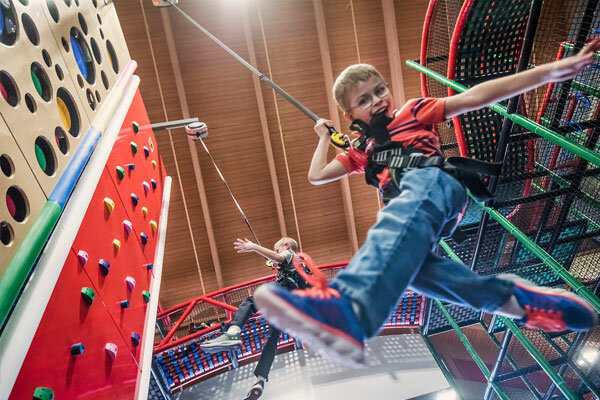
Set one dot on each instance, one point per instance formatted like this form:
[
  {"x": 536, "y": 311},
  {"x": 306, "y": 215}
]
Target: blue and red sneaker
[
  {"x": 551, "y": 309},
  {"x": 319, "y": 316}
]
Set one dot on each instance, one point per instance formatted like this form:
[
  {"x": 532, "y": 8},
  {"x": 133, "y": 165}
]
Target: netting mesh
[{"x": 549, "y": 193}]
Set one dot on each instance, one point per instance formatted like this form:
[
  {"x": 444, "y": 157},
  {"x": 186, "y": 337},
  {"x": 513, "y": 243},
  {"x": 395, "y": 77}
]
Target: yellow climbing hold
[
  {"x": 117, "y": 244},
  {"x": 145, "y": 211},
  {"x": 109, "y": 205},
  {"x": 153, "y": 226},
  {"x": 154, "y": 164}
]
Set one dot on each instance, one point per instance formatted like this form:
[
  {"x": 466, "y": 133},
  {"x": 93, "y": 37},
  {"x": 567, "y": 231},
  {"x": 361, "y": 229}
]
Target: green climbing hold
[
  {"x": 36, "y": 82},
  {"x": 88, "y": 295},
  {"x": 146, "y": 295},
  {"x": 135, "y": 126},
  {"x": 120, "y": 172},
  {"x": 41, "y": 158},
  {"x": 134, "y": 147},
  {"x": 43, "y": 393}
]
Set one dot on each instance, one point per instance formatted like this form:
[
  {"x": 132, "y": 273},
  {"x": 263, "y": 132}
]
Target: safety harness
[{"x": 399, "y": 159}]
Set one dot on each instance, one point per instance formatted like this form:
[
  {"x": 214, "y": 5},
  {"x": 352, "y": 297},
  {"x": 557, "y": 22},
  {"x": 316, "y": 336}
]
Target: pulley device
[{"x": 338, "y": 139}]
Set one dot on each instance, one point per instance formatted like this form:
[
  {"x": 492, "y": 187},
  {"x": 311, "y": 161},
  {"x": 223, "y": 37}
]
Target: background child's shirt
[{"x": 287, "y": 276}]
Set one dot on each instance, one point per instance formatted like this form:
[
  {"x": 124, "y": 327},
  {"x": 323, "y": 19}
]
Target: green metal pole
[
  {"x": 535, "y": 353},
  {"x": 546, "y": 258},
  {"x": 586, "y": 197},
  {"x": 443, "y": 367},
  {"x": 558, "y": 381},
  {"x": 534, "y": 127},
  {"x": 484, "y": 369},
  {"x": 17, "y": 271}
]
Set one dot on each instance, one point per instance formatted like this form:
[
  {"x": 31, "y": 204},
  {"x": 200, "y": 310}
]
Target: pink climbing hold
[
  {"x": 130, "y": 283},
  {"x": 146, "y": 187},
  {"x": 127, "y": 226},
  {"x": 111, "y": 350},
  {"x": 82, "y": 257}
]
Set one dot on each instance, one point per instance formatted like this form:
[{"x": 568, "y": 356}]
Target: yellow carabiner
[{"x": 339, "y": 140}]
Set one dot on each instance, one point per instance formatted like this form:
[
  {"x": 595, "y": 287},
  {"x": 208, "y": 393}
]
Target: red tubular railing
[{"x": 189, "y": 305}]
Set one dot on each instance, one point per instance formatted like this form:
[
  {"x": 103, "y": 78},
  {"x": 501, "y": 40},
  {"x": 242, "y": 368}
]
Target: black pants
[{"x": 241, "y": 316}]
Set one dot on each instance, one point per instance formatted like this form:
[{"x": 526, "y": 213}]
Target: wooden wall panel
[{"x": 221, "y": 93}]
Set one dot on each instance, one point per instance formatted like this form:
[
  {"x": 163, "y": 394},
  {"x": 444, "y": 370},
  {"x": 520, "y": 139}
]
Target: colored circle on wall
[
  {"x": 3, "y": 92},
  {"x": 79, "y": 58},
  {"x": 64, "y": 113},
  {"x": 17, "y": 204},
  {"x": 44, "y": 153},
  {"x": 1, "y": 22},
  {"x": 40, "y": 157},
  {"x": 36, "y": 82},
  {"x": 68, "y": 111},
  {"x": 10, "y": 204}
]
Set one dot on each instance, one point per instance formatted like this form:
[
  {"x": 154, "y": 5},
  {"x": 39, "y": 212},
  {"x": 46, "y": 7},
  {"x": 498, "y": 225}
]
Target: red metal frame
[
  {"x": 424, "y": 43},
  {"x": 456, "y": 35}
]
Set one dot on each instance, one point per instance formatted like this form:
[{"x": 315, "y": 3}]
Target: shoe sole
[
  {"x": 556, "y": 292},
  {"x": 220, "y": 348},
  {"x": 254, "y": 394},
  {"x": 317, "y": 335}
]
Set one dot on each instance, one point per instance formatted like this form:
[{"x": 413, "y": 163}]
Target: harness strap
[{"x": 466, "y": 170}]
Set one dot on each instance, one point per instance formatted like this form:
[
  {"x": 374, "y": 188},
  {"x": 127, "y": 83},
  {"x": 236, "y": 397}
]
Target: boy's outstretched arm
[
  {"x": 506, "y": 87},
  {"x": 320, "y": 171},
  {"x": 247, "y": 246}
]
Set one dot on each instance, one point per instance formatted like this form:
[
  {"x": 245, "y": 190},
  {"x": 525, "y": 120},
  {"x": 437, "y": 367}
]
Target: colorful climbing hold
[
  {"x": 130, "y": 167},
  {"x": 135, "y": 126},
  {"x": 109, "y": 204},
  {"x": 124, "y": 304},
  {"x": 146, "y": 296},
  {"x": 88, "y": 295},
  {"x": 134, "y": 147},
  {"x": 153, "y": 226},
  {"x": 82, "y": 257},
  {"x": 134, "y": 199},
  {"x": 154, "y": 164},
  {"x": 43, "y": 393},
  {"x": 145, "y": 211},
  {"x": 143, "y": 238},
  {"x": 104, "y": 266},
  {"x": 146, "y": 187},
  {"x": 130, "y": 282},
  {"x": 135, "y": 338},
  {"x": 111, "y": 350},
  {"x": 154, "y": 184},
  {"x": 77, "y": 349},
  {"x": 120, "y": 172},
  {"x": 146, "y": 151},
  {"x": 116, "y": 244},
  {"x": 149, "y": 266},
  {"x": 127, "y": 226}
]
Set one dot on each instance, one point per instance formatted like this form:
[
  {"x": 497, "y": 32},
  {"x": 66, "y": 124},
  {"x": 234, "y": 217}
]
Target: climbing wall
[
  {"x": 93, "y": 325},
  {"x": 60, "y": 59}
]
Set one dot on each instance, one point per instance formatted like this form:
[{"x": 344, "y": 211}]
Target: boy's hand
[
  {"x": 321, "y": 127},
  {"x": 243, "y": 245},
  {"x": 571, "y": 66}
]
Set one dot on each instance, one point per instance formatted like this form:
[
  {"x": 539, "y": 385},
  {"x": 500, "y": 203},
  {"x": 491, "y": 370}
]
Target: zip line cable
[{"x": 338, "y": 139}]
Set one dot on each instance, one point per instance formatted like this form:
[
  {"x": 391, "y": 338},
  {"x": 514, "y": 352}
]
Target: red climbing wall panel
[{"x": 68, "y": 319}]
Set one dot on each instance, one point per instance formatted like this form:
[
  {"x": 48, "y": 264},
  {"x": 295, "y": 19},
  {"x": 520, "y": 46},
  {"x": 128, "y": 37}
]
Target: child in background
[
  {"x": 402, "y": 157},
  {"x": 287, "y": 278}
]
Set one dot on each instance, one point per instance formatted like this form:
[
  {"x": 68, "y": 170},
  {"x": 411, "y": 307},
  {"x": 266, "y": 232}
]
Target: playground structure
[{"x": 86, "y": 201}]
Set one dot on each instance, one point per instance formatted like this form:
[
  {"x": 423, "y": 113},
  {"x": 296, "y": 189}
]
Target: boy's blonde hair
[
  {"x": 293, "y": 244},
  {"x": 348, "y": 79}
]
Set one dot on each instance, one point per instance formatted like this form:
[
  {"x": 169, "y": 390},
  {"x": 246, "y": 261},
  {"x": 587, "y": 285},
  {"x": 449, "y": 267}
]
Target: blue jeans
[{"x": 398, "y": 253}]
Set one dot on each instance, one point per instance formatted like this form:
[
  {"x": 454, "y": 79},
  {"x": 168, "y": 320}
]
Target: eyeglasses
[{"x": 366, "y": 101}]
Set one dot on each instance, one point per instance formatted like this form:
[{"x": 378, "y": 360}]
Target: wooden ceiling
[{"x": 302, "y": 45}]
